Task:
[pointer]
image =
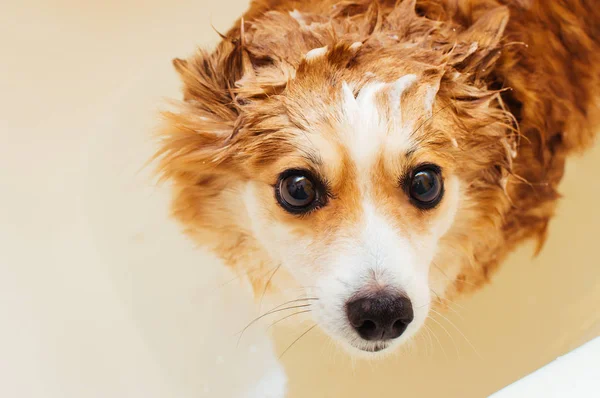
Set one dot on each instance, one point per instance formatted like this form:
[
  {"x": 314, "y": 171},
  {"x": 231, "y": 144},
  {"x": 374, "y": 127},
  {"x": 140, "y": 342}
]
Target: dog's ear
[
  {"x": 209, "y": 78},
  {"x": 196, "y": 139},
  {"x": 479, "y": 46}
]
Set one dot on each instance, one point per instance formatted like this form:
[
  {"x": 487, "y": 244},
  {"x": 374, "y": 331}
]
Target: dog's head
[{"x": 369, "y": 167}]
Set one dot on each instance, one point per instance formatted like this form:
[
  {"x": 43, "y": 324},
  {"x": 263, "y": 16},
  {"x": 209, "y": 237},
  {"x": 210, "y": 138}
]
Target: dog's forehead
[
  {"x": 342, "y": 118},
  {"x": 358, "y": 115},
  {"x": 374, "y": 120}
]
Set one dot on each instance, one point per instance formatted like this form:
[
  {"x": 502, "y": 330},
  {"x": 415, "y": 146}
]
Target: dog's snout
[{"x": 381, "y": 316}]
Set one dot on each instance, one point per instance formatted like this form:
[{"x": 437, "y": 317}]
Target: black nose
[{"x": 380, "y": 316}]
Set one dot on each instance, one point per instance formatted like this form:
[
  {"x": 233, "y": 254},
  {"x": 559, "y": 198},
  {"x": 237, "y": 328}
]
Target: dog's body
[{"x": 431, "y": 135}]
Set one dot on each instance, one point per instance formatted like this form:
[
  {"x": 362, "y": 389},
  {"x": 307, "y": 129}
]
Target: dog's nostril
[
  {"x": 367, "y": 327},
  {"x": 399, "y": 326},
  {"x": 383, "y": 316}
]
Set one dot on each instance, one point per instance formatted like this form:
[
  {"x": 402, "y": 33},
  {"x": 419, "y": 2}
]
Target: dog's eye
[
  {"x": 298, "y": 192},
  {"x": 426, "y": 186}
]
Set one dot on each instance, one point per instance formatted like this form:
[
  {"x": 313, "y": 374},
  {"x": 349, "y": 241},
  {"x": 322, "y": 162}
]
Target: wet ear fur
[
  {"x": 479, "y": 46},
  {"x": 197, "y": 135}
]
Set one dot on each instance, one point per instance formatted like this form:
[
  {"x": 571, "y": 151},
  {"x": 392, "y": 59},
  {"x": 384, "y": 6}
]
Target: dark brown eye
[
  {"x": 298, "y": 192},
  {"x": 426, "y": 187}
]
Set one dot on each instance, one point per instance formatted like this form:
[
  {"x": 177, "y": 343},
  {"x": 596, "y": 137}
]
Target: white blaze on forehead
[{"x": 366, "y": 129}]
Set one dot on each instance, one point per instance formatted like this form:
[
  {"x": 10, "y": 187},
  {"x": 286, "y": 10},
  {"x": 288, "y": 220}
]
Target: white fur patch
[
  {"x": 398, "y": 88},
  {"x": 298, "y": 17},
  {"x": 472, "y": 48},
  {"x": 367, "y": 131},
  {"x": 315, "y": 53},
  {"x": 380, "y": 254},
  {"x": 430, "y": 95},
  {"x": 364, "y": 127},
  {"x": 356, "y": 46}
]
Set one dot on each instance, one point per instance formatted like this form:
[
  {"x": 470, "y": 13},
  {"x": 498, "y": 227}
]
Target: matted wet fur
[{"x": 503, "y": 92}]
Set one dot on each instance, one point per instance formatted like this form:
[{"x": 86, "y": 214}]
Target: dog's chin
[
  {"x": 375, "y": 349},
  {"x": 369, "y": 350}
]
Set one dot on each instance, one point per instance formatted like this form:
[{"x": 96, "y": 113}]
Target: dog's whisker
[
  {"x": 461, "y": 333},
  {"x": 448, "y": 301},
  {"x": 217, "y": 287},
  {"x": 439, "y": 342},
  {"x": 446, "y": 275},
  {"x": 278, "y": 308},
  {"x": 241, "y": 333},
  {"x": 430, "y": 340},
  {"x": 240, "y": 276},
  {"x": 267, "y": 286},
  {"x": 294, "y": 301},
  {"x": 418, "y": 307},
  {"x": 448, "y": 305},
  {"x": 445, "y": 302},
  {"x": 449, "y": 335},
  {"x": 441, "y": 271},
  {"x": 298, "y": 339},
  {"x": 286, "y": 317}
]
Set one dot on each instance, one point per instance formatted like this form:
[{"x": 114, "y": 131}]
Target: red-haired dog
[{"x": 381, "y": 152}]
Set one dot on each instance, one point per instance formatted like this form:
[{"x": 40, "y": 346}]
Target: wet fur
[{"x": 519, "y": 102}]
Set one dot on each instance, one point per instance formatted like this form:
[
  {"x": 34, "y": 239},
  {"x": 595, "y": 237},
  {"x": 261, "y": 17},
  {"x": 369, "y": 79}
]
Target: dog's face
[
  {"x": 364, "y": 176},
  {"x": 358, "y": 198}
]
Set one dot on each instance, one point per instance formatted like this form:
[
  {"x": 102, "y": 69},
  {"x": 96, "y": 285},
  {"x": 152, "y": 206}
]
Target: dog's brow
[
  {"x": 410, "y": 152},
  {"x": 312, "y": 157}
]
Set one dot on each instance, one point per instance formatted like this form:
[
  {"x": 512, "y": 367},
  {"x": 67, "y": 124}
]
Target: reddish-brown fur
[{"x": 530, "y": 85}]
